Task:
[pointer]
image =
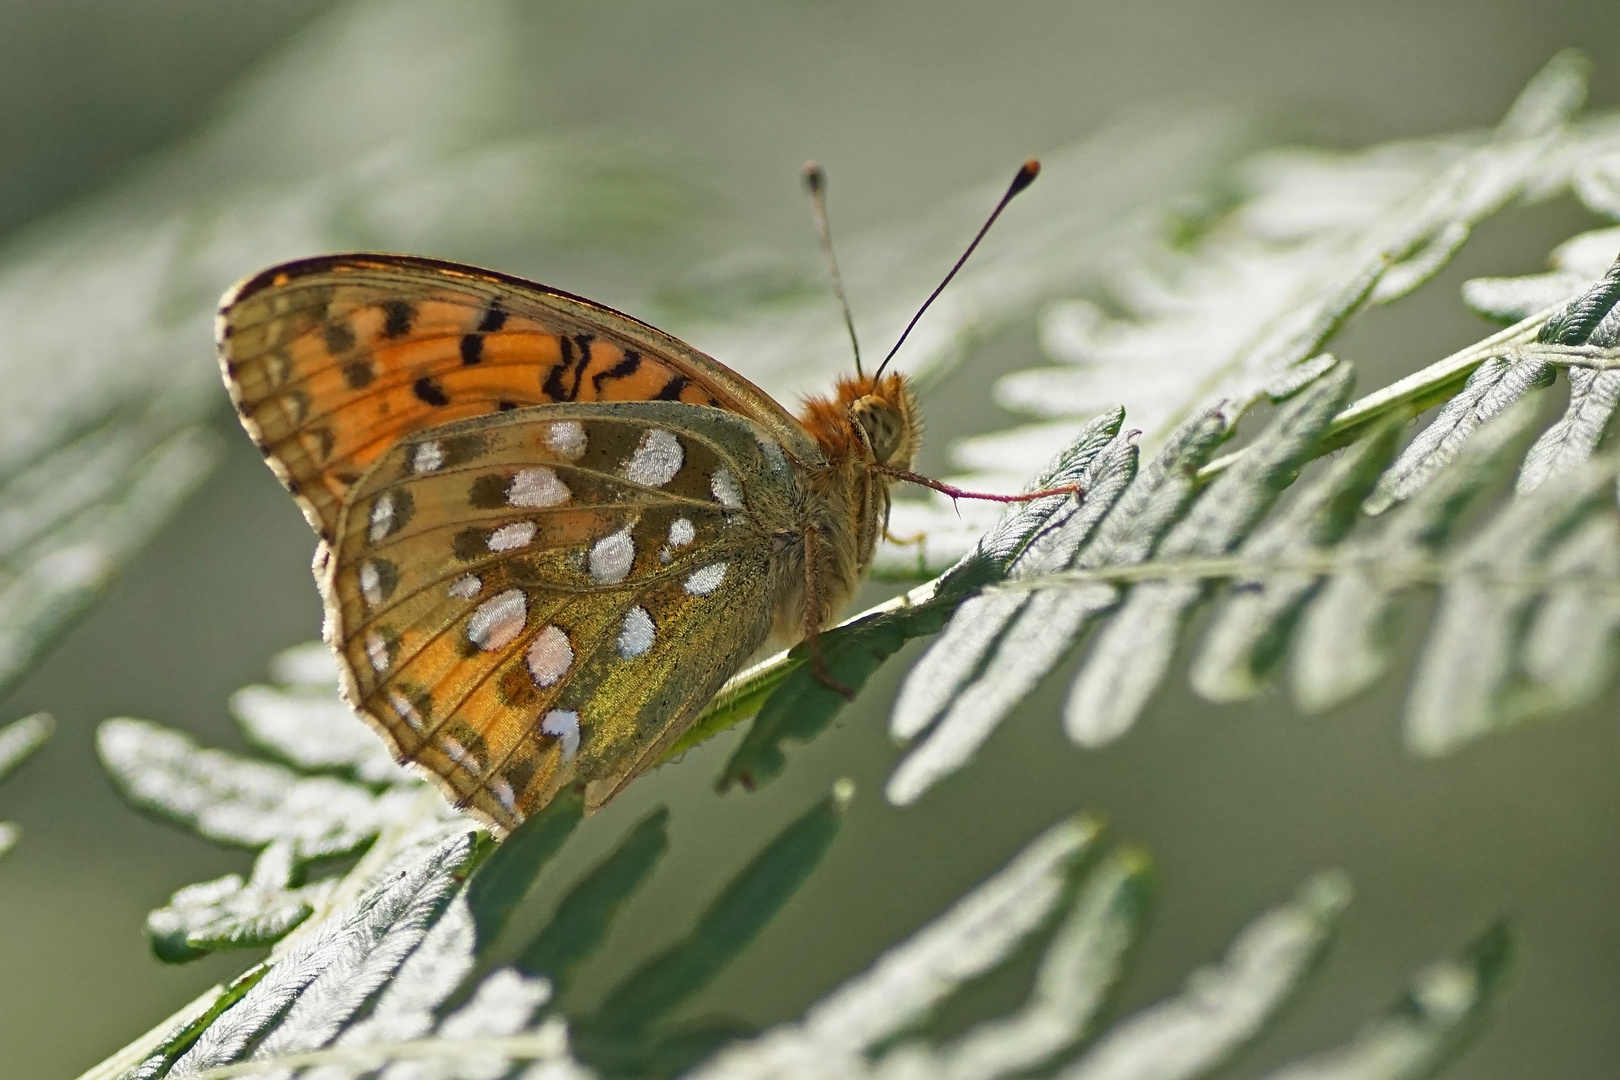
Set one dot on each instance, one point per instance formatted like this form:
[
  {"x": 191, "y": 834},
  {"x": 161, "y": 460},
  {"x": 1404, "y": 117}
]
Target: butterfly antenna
[
  {"x": 815, "y": 186},
  {"x": 1027, "y": 172}
]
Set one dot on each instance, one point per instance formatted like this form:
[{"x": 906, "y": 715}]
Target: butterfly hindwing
[
  {"x": 332, "y": 360},
  {"x": 536, "y": 598}
]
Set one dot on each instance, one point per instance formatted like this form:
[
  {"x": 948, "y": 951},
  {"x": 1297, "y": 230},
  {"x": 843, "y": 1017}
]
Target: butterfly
[{"x": 548, "y": 532}]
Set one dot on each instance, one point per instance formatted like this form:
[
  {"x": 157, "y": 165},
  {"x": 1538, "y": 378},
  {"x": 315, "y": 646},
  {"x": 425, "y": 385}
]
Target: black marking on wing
[
  {"x": 429, "y": 391},
  {"x": 672, "y": 389},
  {"x": 623, "y": 369},
  {"x": 553, "y": 386},
  {"x": 339, "y": 337},
  {"x": 470, "y": 543},
  {"x": 472, "y": 349},
  {"x": 488, "y": 492},
  {"x": 584, "y": 343},
  {"x": 494, "y": 317},
  {"x": 397, "y": 316},
  {"x": 358, "y": 374}
]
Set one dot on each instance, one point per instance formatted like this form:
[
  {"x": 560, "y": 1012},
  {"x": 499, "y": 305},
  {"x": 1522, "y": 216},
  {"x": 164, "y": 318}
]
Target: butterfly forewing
[
  {"x": 544, "y": 596},
  {"x": 333, "y": 360}
]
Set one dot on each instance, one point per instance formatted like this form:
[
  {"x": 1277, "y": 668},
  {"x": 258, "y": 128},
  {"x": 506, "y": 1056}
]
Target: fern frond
[
  {"x": 1316, "y": 241},
  {"x": 384, "y": 972},
  {"x": 1090, "y": 912},
  {"x": 241, "y": 802},
  {"x": 1422, "y": 1029},
  {"x": 18, "y": 741}
]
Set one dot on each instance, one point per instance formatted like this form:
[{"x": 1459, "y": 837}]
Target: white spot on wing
[
  {"x": 681, "y": 533},
  {"x": 502, "y": 791},
  {"x": 549, "y": 656},
  {"x": 566, "y": 438},
  {"x": 382, "y": 516},
  {"x": 370, "y": 584},
  {"x": 377, "y": 651},
  {"x": 773, "y": 453},
  {"x": 466, "y": 587},
  {"x": 705, "y": 581},
  {"x": 636, "y": 635},
  {"x": 458, "y": 753},
  {"x": 564, "y": 724},
  {"x": 427, "y": 456},
  {"x": 536, "y": 487},
  {"x": 498, "y": 621},
  {"x": 513, "y": 536},
  {"x": 656, "y": 460},
  {"x": 407, "y": 712},
  {"x": 612, "y": 556},
  {"x": 725, "y": 489}
]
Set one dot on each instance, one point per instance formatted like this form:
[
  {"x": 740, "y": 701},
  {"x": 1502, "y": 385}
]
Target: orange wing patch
[{"x": 332, "y": 361}]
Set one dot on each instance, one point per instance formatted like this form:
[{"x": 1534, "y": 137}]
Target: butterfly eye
[{"x": 883, "y": 427}]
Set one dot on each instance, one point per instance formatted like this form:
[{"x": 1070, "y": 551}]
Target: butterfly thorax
[{"x": 865, "y": 422}]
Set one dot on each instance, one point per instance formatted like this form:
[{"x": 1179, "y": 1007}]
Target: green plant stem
[
  {"x": 144, "y": 1046},
  {"x": 743, "y": 695},
  {"x": 534, "y": 1047},
  {"x": 1413, "y": 395},
  {"x": 1380, "y": 570}
]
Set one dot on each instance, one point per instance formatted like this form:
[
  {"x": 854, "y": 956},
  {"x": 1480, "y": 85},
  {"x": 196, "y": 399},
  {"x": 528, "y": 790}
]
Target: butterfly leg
[{"x": 812, "y": 620}]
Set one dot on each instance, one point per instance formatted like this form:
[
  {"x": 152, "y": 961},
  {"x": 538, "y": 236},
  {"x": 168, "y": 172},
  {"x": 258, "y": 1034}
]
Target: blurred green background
[{"x": 906, "y": 102}]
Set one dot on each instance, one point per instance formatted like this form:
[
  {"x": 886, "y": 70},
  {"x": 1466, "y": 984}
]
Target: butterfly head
[
  {"x": 867, "y": 417},
  {"x": 873, "y": 416}
]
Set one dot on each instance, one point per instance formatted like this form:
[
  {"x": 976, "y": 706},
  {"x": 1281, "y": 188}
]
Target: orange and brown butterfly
[{"x": 548, "y": 532}]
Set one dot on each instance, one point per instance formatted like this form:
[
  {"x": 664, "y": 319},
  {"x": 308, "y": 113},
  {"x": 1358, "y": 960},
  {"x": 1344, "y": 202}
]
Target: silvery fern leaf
[
  {"x": 1132, "y": 654},
  {"x": 1423, "y": 1027},
  {"x": 1223, "y": 1007},
  {"x": 233, "y": 913},
  {"x": 993, "y": 653},
  {"x": 294, "y": 816},
  {"x": 1348, "y": 631},
  {"x": 238, "y": 801},
  {"x": 1159, "y": 503},
  {"x": 314, "y": 989},
  {"x": 18, "y": 741}
]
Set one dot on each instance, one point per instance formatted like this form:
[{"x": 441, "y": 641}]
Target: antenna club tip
[
  {"x": 1027, "y": 172},
  {"x": 815, "y": 177}
]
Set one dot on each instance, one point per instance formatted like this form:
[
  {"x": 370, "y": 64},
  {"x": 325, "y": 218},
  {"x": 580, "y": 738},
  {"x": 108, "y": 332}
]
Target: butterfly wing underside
[
  {"x": 332, "y": 360},
  {"x": 549, "y": 596}
]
